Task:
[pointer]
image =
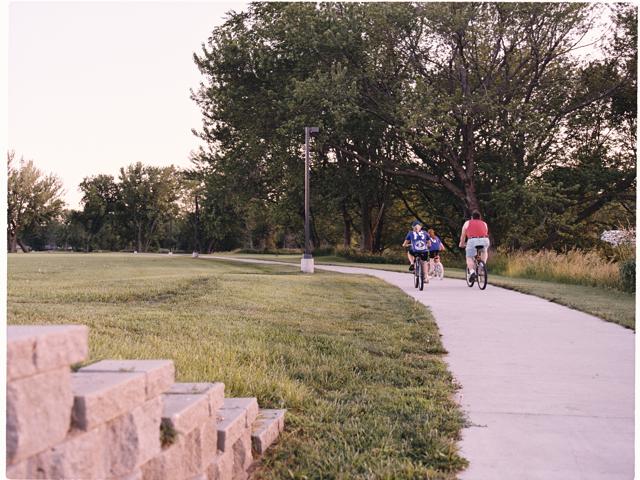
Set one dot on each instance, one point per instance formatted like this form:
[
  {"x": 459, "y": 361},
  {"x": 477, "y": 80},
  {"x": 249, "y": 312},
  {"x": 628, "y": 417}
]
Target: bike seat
[{"x": 479, "y": 247}]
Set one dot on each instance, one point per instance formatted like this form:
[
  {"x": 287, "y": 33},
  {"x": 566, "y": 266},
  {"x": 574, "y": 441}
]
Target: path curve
[{"x": 549, "y": 391}]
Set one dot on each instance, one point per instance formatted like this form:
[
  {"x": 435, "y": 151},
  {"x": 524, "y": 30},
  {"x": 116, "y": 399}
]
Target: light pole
[{"x": 306, "y": 264}]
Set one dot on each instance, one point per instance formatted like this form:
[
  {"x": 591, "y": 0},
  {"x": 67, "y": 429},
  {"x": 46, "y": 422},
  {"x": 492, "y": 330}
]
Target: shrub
[{"x": 628, "y": 275}]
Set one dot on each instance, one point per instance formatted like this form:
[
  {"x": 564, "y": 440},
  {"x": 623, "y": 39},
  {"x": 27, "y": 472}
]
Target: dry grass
[{"x": 573, "y": 267}]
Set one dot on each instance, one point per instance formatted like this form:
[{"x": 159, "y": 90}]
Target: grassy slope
[
  {"x": 358, "y": 364},
  {"x": 611, "y": 305}
]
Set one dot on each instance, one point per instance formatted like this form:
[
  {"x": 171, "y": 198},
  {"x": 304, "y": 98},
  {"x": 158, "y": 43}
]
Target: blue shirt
[
  {"x": 435, "y": 244},
  {"x": 418, "y": 240}
]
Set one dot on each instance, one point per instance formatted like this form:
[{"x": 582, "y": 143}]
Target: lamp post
[{"x": 306, "y": 264}]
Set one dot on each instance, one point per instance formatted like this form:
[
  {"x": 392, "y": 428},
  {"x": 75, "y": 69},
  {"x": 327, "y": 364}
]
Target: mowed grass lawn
[
  {"x": 357, "y": 363},
  {"x": 609, "y": 304}
]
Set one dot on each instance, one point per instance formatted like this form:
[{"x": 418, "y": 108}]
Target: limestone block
[
  {"x": 134, "y": 438},
  {"x": 266, "y": 428},
  {"x": 34, "y": 349},
  {"x": 102, "y": 396},
  {"x": 242, "y": 457},
  {"x": 250, "y": 405},
  {"x": 38, "y": 412},
  {"x": 184, "y": 412},
  {"x": 183, "y": 459},
  {"x": 81, "y": 455},
  {"x": 209, "y": 436},
  {"x": 234, "y": 418},
  {"x": 159, "y": 374},
  {"x": 214, "y": 391},
  {"x": 231, "y": 425},
  {"x": 221, "y": 468},
  {"x": 135, "y": 475}
]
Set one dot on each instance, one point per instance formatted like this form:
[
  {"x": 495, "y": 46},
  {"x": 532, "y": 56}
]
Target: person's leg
[
  {"x": 410, "y": 257},
  {"x": 485, "y": 252},
  {"x": 471, "y": 253},
  {"x": 470, "y": 264}
]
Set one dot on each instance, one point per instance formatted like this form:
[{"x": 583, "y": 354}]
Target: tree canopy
[{"x": 440, "y": 108}]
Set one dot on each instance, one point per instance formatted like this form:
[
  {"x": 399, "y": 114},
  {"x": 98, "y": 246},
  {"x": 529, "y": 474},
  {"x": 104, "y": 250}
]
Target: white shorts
[{"x": 472, "y": 243}]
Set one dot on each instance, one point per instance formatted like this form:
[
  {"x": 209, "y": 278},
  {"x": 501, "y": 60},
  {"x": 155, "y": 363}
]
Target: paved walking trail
[{"x": 549, "y": 391}]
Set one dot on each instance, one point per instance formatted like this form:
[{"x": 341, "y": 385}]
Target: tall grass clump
[
  {"x": 628, "y": 275},
  {"x": 574, "y": 266}
]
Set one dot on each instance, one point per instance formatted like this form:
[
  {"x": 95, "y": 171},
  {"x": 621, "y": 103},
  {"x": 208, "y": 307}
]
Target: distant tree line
[{"x": 426, "y": 110}]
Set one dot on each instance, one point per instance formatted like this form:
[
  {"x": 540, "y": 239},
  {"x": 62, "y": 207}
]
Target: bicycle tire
[
  {"x": 439, "y": 271},
  {"x": 481, "y": 275},
  {"x": 468, "y": 279},
  {"x": 421, "y": 276}
]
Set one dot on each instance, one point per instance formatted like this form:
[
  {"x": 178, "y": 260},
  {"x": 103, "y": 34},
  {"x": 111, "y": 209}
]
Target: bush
[{"x": 628, "y": 275}]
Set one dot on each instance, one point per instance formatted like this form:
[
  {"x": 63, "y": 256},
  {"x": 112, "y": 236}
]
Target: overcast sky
[{"x": 95, "y": 86}]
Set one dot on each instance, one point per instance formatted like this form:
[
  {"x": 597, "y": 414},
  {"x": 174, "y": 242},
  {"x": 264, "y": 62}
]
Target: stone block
[
  {"x": 133, "y": 438},
  {"x": 209, "y": 439},
  {"x": 159, "y": 374},
  {"x": 103, "y": 396},
  {"x": 81, "y": 455},
  {"x": 33, "y": 349},
  {"x": 266, "y": 428},
  {"x": 230, "y": 426},
  {"x": 221, "y": 468},
  {"x": 38, "y": 412},
  {"x": 242, "y": 457},
  {"x": 183, "y": 459},
  {"x": 185, "y": 412},
  {"x": 234, "y": 418},
  {"x": 135, "y": 475},
  {"x": 250, "y": 405},
  {"x": 214, "y": 391}
]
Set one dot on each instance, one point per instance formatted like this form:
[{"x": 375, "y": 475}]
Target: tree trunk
[
  {"x": 139, "y": 248},
  {"x": 13, "y": 243},
  {"x": 365, "y": 218},
  {"x": 346, "y": 232},
  {"x": 22, "y": 245},
  {"x": 377, "y": 241}
]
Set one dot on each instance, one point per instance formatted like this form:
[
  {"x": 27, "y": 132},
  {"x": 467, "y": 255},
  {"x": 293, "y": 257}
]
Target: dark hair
[{"x": 475, "y": 215}]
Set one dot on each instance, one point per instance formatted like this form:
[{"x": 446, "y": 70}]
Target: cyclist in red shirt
[{"x": 475, "y": 233}]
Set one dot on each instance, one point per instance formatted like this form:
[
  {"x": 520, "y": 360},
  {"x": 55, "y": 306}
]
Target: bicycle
[
  {"x": 438, "y": 269},
  {"x": 419, "y": 276},
  {"x": 480, "y": 276}
]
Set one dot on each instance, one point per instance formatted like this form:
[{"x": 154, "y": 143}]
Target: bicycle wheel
[
  {"x": 439, "y": 271},
  {"x": 482, "y": 275},
  {"x": 420, "y": 275},
  {"x": 470, "y": 282}
]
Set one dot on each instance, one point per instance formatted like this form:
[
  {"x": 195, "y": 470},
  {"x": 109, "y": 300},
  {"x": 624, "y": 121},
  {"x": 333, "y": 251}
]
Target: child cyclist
[
  {"x": 435, "y": 249},
  {"x": 418, "y": 242}
]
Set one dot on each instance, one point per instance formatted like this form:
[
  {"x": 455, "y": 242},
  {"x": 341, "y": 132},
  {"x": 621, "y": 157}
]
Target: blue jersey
[
  {"x": 436, "y": 244},
  {"x": 418, "y": 241}
]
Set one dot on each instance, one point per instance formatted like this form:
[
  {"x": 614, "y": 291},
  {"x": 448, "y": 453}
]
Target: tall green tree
[
  {"x": 146, "y": 199},
  {"x": 456, "y": 106},
  {"x": 34, "y": 199}
]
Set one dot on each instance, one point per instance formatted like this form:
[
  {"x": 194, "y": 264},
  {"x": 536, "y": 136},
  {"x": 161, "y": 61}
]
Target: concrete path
[{"x": 549, "y": 391}]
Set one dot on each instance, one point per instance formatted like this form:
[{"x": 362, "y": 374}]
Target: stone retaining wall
[{"x": 121, "y": 419}]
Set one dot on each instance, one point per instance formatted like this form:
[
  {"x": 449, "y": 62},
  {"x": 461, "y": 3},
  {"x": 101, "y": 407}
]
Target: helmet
[{"x": 416, "y": 222}]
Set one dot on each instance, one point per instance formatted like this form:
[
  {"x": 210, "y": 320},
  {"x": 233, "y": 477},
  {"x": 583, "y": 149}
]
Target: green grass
[
  {"x": 356, "y": 363},
  {"x": 607, "y": 303}
]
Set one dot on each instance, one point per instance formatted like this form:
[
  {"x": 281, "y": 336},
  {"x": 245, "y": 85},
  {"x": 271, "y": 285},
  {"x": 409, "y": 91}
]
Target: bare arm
[{"x": 463, "y": 235}]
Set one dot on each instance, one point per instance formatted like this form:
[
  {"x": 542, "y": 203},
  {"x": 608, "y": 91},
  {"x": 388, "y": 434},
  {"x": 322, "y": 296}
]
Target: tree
[
  {"x": 445, "y": 107},
  {"x": 99, "y": 202},
  {"x": 146, "y": 199},
  {"x": 33, "y": 200}
]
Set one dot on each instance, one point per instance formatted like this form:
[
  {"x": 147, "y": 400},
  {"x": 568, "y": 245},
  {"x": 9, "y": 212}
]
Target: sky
[{"x": 95, "y": 86}]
